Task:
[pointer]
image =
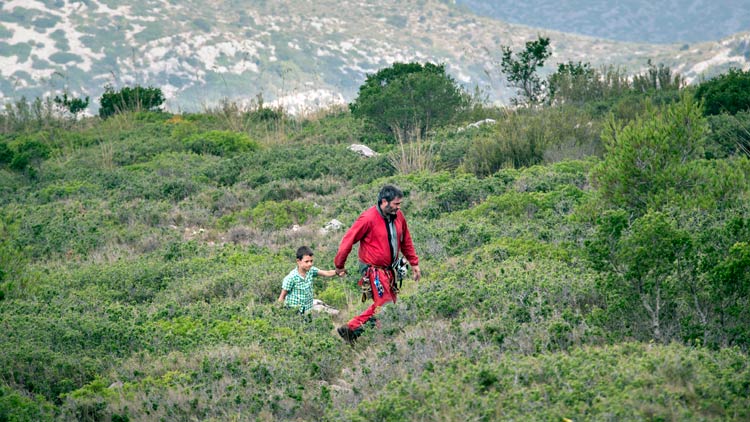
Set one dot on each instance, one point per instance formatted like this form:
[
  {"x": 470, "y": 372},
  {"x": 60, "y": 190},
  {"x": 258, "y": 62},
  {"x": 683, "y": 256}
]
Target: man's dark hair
[
  {"x": 389, "y": 193},
  {"x": 302, "y": 251}
]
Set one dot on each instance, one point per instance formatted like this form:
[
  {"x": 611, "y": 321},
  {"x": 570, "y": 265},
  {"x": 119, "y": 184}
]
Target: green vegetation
[
  {"x": 129, "y": 99},
  {"x": 585, "y": 260},
  {"x": 521, "y": 71},
  {"x": 727, "y": 93},
  {"x": 408, "y": 99}
]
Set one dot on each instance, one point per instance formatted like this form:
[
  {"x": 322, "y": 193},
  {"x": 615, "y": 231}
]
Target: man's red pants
[{"x": 380, "y": 294}]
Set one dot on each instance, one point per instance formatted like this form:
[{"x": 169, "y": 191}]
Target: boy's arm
[
  {"x": 328, "y": 273},
  {"x": 282, "y": 296}
]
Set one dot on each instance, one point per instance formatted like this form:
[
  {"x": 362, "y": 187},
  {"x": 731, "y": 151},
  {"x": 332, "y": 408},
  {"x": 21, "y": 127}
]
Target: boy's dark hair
[
  {"x": 303, "y": 251},
  {"x": 389, "y": 193}
]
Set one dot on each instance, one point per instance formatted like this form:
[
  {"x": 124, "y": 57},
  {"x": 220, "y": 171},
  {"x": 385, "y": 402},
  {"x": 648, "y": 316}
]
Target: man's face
[
  {"x": 391, "y": 208},
  {"x": 305, "y": 263}
]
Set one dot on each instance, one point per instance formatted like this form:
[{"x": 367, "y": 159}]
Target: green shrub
[
  {"x": 6, "y": 155},
  {"x": 406, "y": 100},
  {"x": 18, "y": 407},
  {"x": 220, "y": 143},
  {"x": 272, "y": 215},
  {"x": 672, "y": 268},
  {"x": 29, "y": 151},
  {"x": 336, "y": 293},
  {"x": 128, "y": 99},
  {"x": 726, "y": 93},
  {"x": 529, "y": 137},
  {"x": 73, "y": 105},
  {"x": 641, "y": 158},
  {"x": 309, "y": 162},
  {"x": 627, "y": 381},
  {"x": 336, "y": 127},
  {"x": 509, "y": 144},
  {"x": 729, "y": 135},
  {"x": 28, "y": 116}
]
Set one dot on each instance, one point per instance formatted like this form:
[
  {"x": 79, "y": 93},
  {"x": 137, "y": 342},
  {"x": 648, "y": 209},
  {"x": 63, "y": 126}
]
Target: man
[{"x": 382, "y": 233}]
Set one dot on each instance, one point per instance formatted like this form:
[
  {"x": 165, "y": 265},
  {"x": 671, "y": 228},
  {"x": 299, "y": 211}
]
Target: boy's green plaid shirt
[{"x": 299, "y": 290}]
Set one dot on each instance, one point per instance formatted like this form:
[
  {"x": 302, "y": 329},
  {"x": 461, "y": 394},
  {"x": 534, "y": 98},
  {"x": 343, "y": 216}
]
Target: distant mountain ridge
[
  {"x": 671, "y": 21},
  {"x": 297, "y": 53}
]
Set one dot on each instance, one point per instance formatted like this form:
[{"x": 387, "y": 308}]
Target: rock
[
  {"x": 332, "y": 225},
  {"x": 320, "y": 306},
  {"x": 363, "y": 150},
  {"x": 477, "y": 124}
]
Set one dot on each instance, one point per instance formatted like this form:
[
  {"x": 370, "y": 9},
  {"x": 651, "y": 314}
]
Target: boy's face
[{"x": 305, "y": 263}]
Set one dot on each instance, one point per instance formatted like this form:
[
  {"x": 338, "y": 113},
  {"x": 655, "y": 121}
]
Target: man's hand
[
  {"x": 417, "y": 273},
  {"x": 340, "y": 272}
]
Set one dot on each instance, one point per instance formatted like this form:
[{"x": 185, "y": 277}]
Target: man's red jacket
[{"x": 372, "y": 234}]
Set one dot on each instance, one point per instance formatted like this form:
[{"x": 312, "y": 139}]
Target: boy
[{"x": 297, "y": 288}]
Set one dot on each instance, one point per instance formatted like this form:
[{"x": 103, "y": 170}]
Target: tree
[
  {"x": 726, "y": 93},
  {"x": 137, "y": 98},
  {"x": 521, "y": 71},
  {"x": 407, "y": 99},
  {"x": 73, "y": 105},
  {"x": 642, "y": 158},
  {"x": 657, "y": 78},
  {"x": 576, "y": 83}
]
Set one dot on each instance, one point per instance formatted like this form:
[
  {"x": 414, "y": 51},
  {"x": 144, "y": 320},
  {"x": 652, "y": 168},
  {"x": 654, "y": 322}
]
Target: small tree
[
  {"x": 726, "y": 93},
  {"x": 521, "y": 71},
  {"x": 407, "y": 99},
  {"x": 641, "y": 158},
  {"x": 72, "y": 105},
  {"x": 137, "y": 98}
]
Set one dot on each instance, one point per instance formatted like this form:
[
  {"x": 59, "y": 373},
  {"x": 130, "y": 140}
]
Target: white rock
[
  {"x": 334, "y": 225},
  {"x": 320, "y": 306},
  {"x": 477, "y": 124},
  {"x": 363, "y": 150}
]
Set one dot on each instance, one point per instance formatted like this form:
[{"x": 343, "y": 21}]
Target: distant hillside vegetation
[
  {"x": 672, "y": 21},
  {"x": 300, "y": 54}
]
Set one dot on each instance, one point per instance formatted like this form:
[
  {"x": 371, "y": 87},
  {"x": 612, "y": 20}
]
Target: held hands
[{"x": 340, "y": 272}]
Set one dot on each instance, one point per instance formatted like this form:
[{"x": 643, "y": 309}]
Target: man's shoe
[{"x": 347, "y": 334}]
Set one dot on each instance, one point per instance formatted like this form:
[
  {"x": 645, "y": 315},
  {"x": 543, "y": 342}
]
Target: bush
[
  {"x": 408, "y": 99},
  {"x": 729, "y": 135},
  {"x": 6, "y": 155},
  {"x": 530, "y": 137},
  {"x": 726, "y": 93},
  {"x": 676, "y": 270},
  {"x": 274, "y": 215},
  {"x": 23, "y": 115},
  {"x": 622, "y": 382},
  {"x": 218, "y": 142},
  {"x": 127, "y": 99},
  {"x": 309, "y": 162},
  {"x": 29, "y": 150},
  {"x": 336, "y": 293},
  {"x": 18, "y": 407},
  {"x": 641, "y": 158}
]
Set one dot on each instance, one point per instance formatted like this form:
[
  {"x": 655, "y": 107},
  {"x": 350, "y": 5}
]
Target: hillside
[
  {"x": 566, "y": 274},
  {"x": 668, "y": 22},
  {"x": 302, "y": 54}
]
